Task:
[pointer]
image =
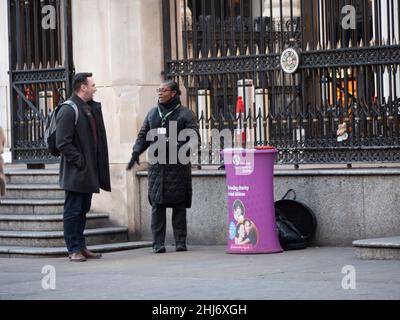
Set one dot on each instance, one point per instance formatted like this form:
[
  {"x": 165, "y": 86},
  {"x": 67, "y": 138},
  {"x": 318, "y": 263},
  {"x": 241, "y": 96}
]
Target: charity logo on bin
[
  {"x": 241, "y": 159},
  {"x": 243, "y": 165},
  {"x": 236, "y": 160}
]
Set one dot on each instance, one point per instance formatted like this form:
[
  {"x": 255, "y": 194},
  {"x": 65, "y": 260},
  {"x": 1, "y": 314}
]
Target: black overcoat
[
  {"x": 169, "y": 183},
  {"x": 83, "y": 167}
]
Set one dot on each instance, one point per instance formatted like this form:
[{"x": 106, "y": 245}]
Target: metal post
[{"x": 68, "y": 64}]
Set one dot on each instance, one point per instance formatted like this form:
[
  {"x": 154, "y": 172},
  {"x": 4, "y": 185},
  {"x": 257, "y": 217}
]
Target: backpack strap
[
  {"x": 74, "y": 106},
  {"x": 287, "y": 193}
]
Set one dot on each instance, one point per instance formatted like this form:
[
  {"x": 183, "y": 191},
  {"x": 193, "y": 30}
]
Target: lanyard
[{"x": 165, "y": 117}]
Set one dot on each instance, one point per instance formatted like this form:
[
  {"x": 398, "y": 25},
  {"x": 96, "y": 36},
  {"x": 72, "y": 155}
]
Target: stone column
[
  {"x": 120, "y": 41},
  {"x": 5, "y": 116}
]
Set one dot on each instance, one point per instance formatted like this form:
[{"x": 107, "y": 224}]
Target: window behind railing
[{"x": 342, "y": 103}]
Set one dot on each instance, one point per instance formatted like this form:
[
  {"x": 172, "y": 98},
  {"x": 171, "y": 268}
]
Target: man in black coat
[
  {"x": 170, "y": 181},
  {"x": 84, "y": 167}
]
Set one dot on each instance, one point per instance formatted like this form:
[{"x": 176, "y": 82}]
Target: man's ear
[{"x": 174, "y": 94}]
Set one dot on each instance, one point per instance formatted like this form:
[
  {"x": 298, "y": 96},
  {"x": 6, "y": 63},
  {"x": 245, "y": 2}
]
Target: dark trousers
[
  {"x": 159, "y": 224},
  {"x": 76, "y": 206}
]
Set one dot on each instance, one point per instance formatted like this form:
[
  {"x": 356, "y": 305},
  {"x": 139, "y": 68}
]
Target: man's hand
[{"x": 134, "y": 159}]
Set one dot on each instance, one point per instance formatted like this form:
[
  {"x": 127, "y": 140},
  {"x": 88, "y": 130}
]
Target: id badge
[{"x": 162, "y": 131}]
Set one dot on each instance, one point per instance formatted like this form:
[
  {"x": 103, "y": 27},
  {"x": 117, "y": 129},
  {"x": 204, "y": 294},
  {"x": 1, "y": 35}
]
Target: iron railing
[
  {"x": 40, "y": 71},
  {"x": 342, "y": 104}
]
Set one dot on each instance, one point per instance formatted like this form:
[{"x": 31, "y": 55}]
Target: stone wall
[
  {"x": 349, "y": 204},
  {"x": 121, "y": 43}
]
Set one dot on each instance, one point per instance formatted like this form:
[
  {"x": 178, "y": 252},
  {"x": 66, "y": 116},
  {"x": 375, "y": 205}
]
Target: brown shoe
[
  {"x": 90, "y": 255},
  {"x": 76, "y": 257}
]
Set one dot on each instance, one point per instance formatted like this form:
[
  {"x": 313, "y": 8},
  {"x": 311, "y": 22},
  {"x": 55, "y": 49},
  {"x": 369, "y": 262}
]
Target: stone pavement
[{"x": 203, "y": 273}]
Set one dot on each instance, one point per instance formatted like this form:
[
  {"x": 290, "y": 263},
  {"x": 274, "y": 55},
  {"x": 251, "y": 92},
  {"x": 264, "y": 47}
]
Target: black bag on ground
[
  {"x": 289, "y": 236},
  {"x": 296, "y": 223},
  {"x": 51, "y": 127}
]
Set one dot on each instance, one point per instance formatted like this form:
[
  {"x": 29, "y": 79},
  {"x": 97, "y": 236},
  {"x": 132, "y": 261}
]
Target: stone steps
[
  {"x": 34, "y": 191},
  {"x": 31, "y": 176},
  {"x": 38, "y": 252},
  {"x": 48, "y": 222},
  {"x": 31, "y": 206},
  {"x": 378, "y": 249},
  {"x": 56, "y": 238},
  {"x": 31, "y": 218}
]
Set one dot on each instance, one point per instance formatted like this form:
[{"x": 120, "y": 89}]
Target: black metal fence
[
  {"x": 41, "y": 68},
  {"x": 338, "y": 100}
]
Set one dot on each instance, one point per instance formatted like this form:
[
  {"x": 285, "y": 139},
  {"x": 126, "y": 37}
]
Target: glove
[{"x": 134, "y": 159}]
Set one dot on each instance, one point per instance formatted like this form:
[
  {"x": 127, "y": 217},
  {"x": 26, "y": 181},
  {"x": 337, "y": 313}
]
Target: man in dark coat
[
  {"x": 170, "y": 182},
  {"x": 84, "y": 167}
]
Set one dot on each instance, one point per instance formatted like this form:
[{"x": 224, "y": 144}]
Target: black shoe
[
  {"x": 181, "y": 247},
  {"x": 159, "y": 249}
]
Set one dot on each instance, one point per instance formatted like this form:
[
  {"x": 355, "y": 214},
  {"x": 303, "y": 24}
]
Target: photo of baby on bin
[{"x": 238, "y": 211}]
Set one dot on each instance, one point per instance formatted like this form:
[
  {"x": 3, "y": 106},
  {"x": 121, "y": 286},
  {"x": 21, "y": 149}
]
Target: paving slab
[{"x": 205, "y": 273}]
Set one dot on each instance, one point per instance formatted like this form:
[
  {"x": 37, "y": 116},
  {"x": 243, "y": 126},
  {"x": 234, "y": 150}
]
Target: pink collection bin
[{"x": 251, "y": 223}]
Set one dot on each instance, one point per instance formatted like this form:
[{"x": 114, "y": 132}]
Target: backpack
[
  {"x": 296, "y": 223},
  {"x": 290, "y": 237},
  {"x": 51, "y": 127}
]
